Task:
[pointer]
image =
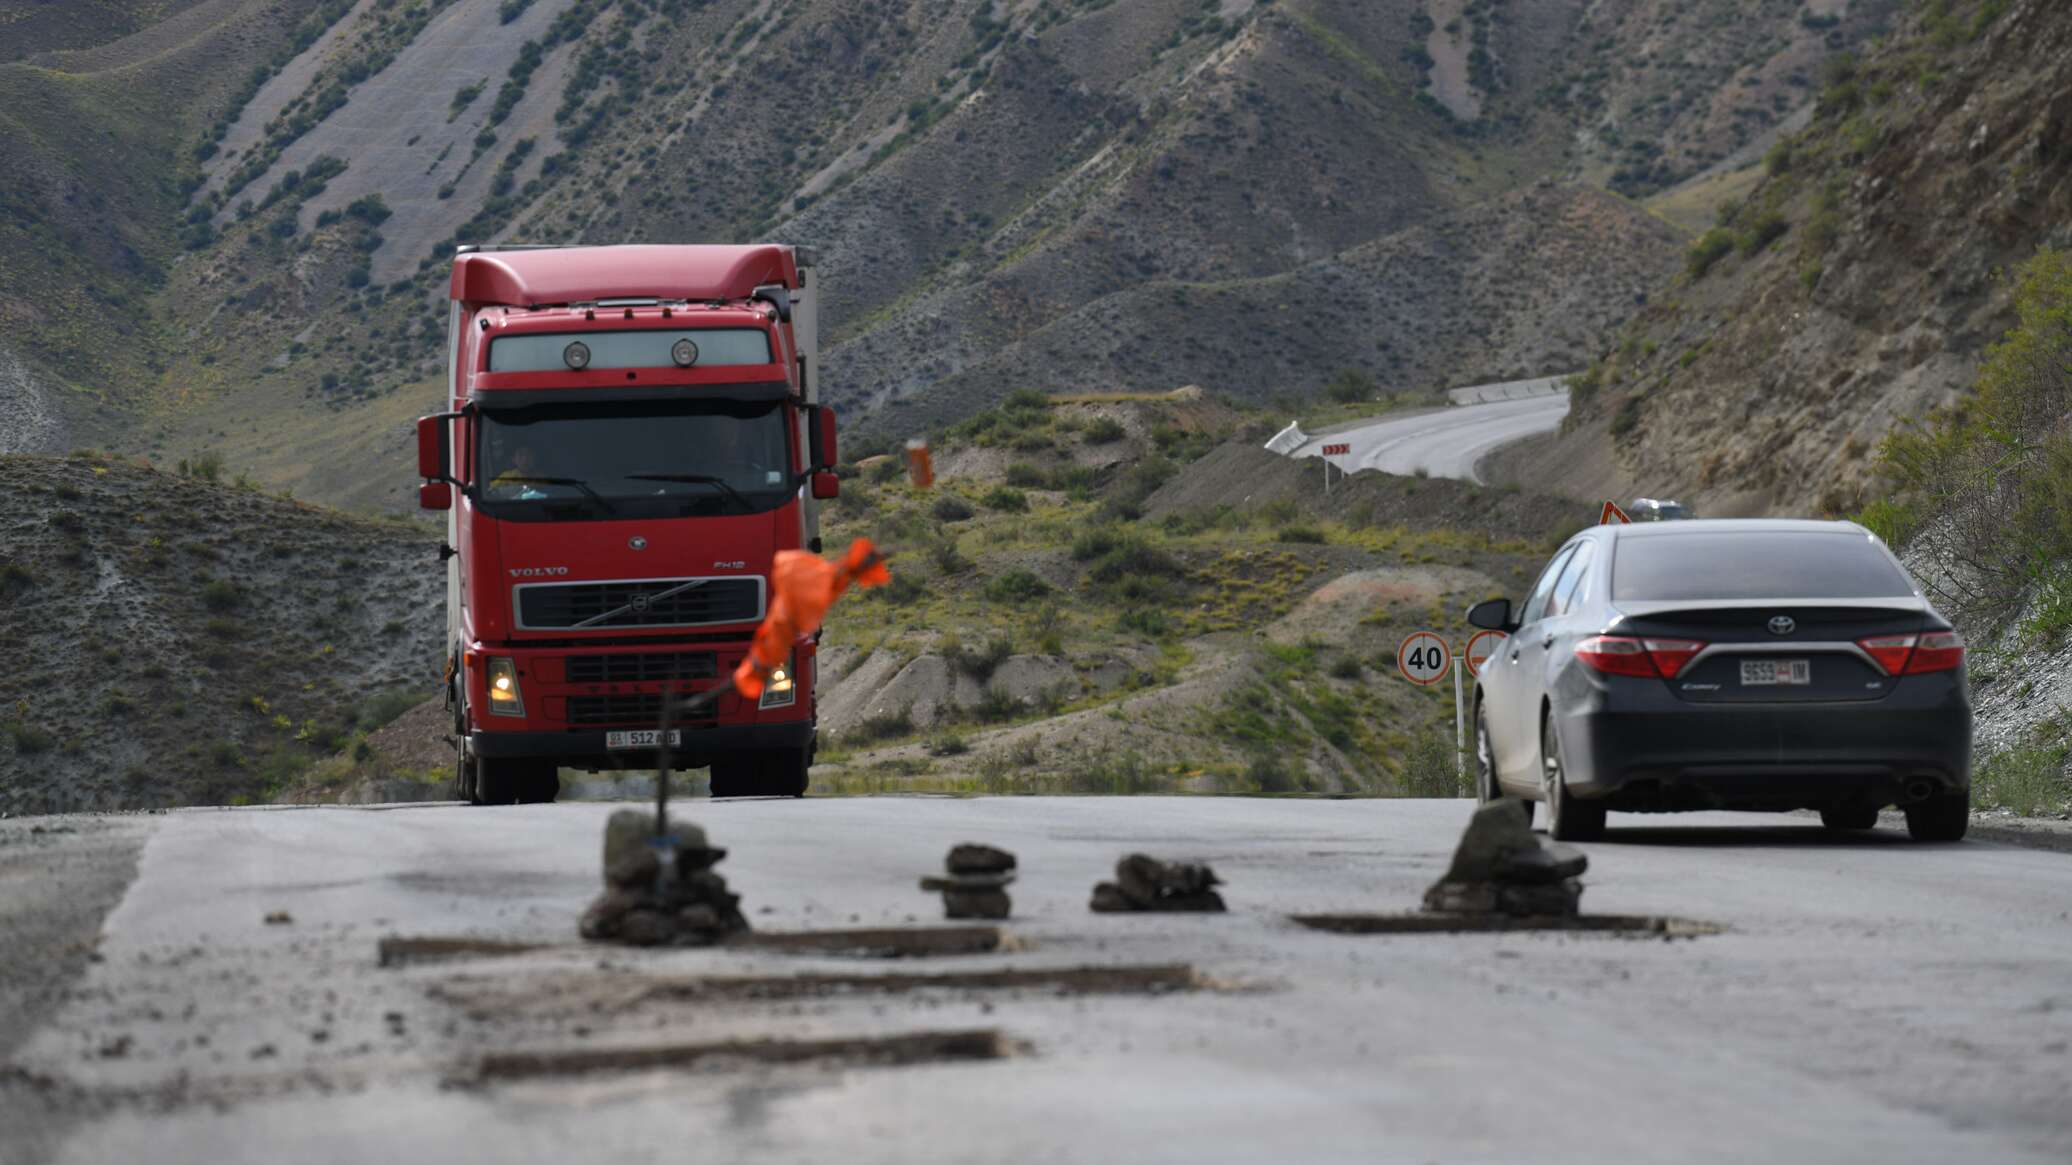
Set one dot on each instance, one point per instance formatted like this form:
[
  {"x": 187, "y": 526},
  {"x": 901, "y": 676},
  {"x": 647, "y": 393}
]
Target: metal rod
[{"x": 662, "y": 750}]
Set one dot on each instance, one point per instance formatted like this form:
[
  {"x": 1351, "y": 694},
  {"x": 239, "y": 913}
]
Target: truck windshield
[{"x": 575, "y": 461}]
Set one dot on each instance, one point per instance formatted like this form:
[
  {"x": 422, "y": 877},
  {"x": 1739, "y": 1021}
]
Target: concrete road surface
[
  {"x": 1872, "y": 1000},
  {"x": 1449, "y": 442}
]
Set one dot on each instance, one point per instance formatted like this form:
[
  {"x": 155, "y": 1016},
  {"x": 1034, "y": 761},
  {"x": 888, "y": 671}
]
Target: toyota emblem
[
  {"x": 637, "y": 542},
  {"x": 1783, "y": 625}
]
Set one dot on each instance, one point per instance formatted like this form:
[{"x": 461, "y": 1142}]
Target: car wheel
[
  {"x": 1943, "y": 817},
  {"x": 1568, "y": 819},
  {"x": 1850, "y": 817},
  {"x": 1487, "y": 788}
]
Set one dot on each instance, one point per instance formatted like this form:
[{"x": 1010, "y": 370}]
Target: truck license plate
[
  {"x": 1775, "y": 673},
  {"x": 641, "y": 738}
]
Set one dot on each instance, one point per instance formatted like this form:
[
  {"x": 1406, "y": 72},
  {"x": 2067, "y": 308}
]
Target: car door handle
[
  {"x": 1547, "y": 642},
  {"x": 1514, "y": 655}
]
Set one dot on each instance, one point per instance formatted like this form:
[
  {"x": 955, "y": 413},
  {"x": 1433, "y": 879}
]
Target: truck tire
[
  {"x": 785, "y": 772},
  {"x": 733, "y": 776},
  {"x": 515, "y": 780}
]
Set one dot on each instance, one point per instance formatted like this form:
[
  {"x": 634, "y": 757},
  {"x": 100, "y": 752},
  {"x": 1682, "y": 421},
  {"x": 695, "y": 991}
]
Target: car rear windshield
[{"x": 1755, "y": 565}]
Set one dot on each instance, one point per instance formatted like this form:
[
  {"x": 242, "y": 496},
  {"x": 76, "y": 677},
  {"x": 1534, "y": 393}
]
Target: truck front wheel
[
  {"x": 777, "y": 773},
  {"x": 509, "y": 780}
]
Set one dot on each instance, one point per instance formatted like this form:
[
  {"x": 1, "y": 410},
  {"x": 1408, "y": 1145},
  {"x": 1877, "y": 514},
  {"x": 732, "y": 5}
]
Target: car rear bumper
[
  {"x": 1641, "y": 748},
  {"x": 586, "y": 749}
]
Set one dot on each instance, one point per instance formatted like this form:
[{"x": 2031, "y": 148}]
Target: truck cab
[{"x": 633, "y": 433}]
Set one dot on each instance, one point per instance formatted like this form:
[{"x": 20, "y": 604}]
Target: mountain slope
[
  {"x": 992, "y": 185},
  {"x": 1854, "y": 288}
]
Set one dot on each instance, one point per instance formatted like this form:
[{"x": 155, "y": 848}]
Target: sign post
[
  {"x": 1425, "y": 658},
  {"x": 1331, "y": 451}
]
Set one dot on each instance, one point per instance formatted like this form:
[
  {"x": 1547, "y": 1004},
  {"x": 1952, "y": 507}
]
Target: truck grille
[
  {"x": 662, "y": 602},
  {"x": 640, "y": 711},
  {"x": 633, "y": 669}
]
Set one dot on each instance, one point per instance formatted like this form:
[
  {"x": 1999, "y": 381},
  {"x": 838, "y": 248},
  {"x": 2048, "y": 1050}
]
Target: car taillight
[
  {"x": 1619, "y": 655},
  {"x": 1670, "y": 655},
  {"x": 1913, "y": 655},
  {"x": 1937, "y": 651}
]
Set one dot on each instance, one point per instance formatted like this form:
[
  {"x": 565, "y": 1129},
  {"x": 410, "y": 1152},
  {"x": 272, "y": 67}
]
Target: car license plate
[
  {"x": 641, "y": 738},
  {"x": 1775, "y": 673}
]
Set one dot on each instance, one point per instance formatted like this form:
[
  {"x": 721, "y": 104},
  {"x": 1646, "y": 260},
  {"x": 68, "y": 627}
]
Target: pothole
[
  {"x": 905, "y": 1048},
  {"x": 402, "y": 951},
  {"x": 594, "y": 994},
  {"x": 1646, "y": 925},
  {"x": 885, "y": 942},
  {"x": 876, "y": 943}
]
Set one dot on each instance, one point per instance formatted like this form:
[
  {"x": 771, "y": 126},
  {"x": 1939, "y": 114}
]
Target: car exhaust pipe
[{"x": 1920, "y": 789}]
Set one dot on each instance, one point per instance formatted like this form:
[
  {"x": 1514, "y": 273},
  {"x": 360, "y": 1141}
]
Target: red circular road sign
[
  {"x": 1483, "y": 645},
  {"x": 1424, "y": 658}
]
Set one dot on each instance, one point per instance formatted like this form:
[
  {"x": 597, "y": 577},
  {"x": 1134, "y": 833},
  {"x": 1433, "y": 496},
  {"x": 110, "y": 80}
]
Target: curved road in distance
[{"x": 1449, "y": 442}]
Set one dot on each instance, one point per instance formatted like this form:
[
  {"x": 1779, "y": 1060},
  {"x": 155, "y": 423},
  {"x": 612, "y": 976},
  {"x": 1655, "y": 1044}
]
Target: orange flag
[{"x": 804, "y": 586}]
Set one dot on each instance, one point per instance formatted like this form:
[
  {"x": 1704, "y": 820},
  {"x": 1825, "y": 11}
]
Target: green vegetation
[{"x": 1988, "y": 483}]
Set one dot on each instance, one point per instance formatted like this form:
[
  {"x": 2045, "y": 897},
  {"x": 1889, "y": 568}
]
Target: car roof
[{"x": 1734, "y": 526}]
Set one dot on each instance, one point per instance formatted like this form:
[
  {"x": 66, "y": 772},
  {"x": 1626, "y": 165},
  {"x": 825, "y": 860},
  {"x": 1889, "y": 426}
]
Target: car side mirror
[
  {"x": 826, "y": 485},
  {"x": 435, "y": 495},
  {"x": 435, "y": 446},
  {"x": 1492, "y": 615},
  {"x": 823, "y": 439}
]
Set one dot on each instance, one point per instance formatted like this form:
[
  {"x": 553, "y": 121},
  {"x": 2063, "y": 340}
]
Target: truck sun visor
[{"x": 652, "y": 348}]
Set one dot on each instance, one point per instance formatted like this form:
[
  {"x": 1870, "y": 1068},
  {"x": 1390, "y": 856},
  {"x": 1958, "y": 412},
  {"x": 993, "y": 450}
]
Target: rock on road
[
  {"x": 1871, "y": 1000},
  {"x": 1449, "y": 442}
]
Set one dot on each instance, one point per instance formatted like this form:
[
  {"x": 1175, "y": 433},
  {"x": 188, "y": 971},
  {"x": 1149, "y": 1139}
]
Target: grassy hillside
[{"x": 176, "y": 640}]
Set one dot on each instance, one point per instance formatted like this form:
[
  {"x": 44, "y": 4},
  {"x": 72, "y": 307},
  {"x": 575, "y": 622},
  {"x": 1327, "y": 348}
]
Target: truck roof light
[
  {"x": 576, "y": 355},
  {"x": 684, "y": 353}
]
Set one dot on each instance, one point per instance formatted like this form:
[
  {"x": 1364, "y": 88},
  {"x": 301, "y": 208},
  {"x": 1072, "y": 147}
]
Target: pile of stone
[
  {"x": 1145, "y": 883},
  {"x": 1503, "y": 867},
  {"x": 661, "y": 890},
  {"x": 976, "y": 885}
]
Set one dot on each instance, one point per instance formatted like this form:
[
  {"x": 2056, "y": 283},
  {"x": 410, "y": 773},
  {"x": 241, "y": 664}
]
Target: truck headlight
[
  {"x": 780, "y": 690},
  {"x": 504, "y": 697}
]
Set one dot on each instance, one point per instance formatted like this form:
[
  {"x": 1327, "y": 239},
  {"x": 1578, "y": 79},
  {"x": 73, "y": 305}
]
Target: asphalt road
[
  {"x": 1872, "y": 1000},
  {"x": 1448, "y": 442}
]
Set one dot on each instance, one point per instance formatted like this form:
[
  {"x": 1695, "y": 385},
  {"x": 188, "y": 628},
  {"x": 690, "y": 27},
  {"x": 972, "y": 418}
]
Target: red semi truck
[{"x": 634, "y": 432}]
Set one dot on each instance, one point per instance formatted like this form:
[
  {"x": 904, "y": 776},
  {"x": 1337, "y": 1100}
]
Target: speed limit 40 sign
[{"x": 1424, "y": 658}]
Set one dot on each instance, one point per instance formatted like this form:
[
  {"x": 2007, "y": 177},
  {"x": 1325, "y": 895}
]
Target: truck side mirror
[
  {"x": 1492, "y": 615},
  {"x": 826, "y": 485},
  {"x": 823, "y": 439},
  {"x": 435, "y": 495},
  {"x": 433, "y": 446}
]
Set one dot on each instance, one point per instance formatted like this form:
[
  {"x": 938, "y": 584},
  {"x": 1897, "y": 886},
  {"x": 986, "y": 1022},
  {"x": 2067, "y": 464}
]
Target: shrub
[
  {"x": 220, "y": 596},
  {"x": 1025, "y": 475},
  {"x": 1026, "y": 398},
  {"x": 1103, "y": 431},
  {"x": 979, "y": 663},
  {"x": 1766, "y": 229},
  {"x": 1006, "y": 499},
  {"x": 1150, "y": 623},
  {"x": 29, "y": 739},
  {"x": 1306, "y": 534},
  {"x": 883, "y": 726},
  {"x": 1428, "y": 766},
  {"x": 2028, "y": 781},
  {"x": 1017, "y": 586},
  {"x": 951, "y": 508},
  {"x": 1351, "y": 387},
  {"x": 1711, "y": 247}
]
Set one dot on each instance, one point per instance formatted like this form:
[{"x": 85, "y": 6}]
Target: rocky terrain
[
  {"x": 172, "y": 640},
  {"x": 227, "y": 221},
  {"x": 1855, "y": 286}
]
